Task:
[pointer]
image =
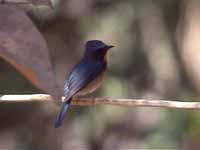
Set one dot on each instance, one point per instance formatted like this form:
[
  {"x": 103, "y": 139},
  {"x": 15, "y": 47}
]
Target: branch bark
[
  {"x": 105, "y": 101},
  {"x": 28, "y": 2}
]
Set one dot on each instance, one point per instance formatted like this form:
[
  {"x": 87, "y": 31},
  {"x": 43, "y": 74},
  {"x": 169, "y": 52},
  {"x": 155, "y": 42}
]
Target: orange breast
[{"x": 92, "y": 86}]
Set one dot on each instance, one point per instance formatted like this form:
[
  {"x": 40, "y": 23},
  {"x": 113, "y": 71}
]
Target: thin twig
[
  {"x": 15, "y": 2},
  {"x": 105, "y": 101},
  {"x": 27, "y": 2}
]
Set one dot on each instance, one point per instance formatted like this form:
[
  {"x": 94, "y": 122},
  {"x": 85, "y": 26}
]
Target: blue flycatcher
[{"x": 86, "y": 76}]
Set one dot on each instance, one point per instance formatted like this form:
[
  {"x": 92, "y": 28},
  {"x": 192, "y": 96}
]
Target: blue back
[{"x": 83, "y": 73}]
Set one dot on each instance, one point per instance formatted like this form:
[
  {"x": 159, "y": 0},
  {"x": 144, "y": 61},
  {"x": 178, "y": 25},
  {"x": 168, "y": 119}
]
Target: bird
[{"x": 86, "y": 76}]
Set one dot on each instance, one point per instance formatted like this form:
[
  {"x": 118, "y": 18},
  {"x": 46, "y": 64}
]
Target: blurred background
[{"x": 156, "y": 55}]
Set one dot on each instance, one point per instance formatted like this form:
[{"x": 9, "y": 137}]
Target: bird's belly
[{"x": 92, "y": 86}]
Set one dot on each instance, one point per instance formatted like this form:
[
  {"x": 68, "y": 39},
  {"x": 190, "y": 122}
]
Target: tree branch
[
  {"x": 24, "y": 2},
  {"x": 105, "y": 101}
]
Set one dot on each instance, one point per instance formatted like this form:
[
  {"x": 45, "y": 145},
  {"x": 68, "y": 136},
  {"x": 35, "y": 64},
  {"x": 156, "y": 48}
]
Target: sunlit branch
[
  {"x": 24, "y": 2},
  {"x": 104, "y": 101}
]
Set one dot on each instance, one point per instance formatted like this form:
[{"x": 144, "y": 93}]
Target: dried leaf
[{"x": 22, "y": 45}]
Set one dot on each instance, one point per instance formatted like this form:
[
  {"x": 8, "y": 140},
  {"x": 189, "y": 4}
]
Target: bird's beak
[{"x": 110, "y": 46}]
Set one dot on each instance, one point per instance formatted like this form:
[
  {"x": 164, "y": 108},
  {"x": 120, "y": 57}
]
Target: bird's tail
[{"x": 61, "y": 116}]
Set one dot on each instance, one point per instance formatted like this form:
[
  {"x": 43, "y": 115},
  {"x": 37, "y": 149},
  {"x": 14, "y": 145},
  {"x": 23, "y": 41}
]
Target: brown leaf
[{"x": 22, "y": 45}]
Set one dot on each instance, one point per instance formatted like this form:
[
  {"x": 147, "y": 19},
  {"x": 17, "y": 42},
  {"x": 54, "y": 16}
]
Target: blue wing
[{"x": 82, "y": 74}]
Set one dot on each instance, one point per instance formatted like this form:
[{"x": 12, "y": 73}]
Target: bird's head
[{"x": 96, "y": 49}]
